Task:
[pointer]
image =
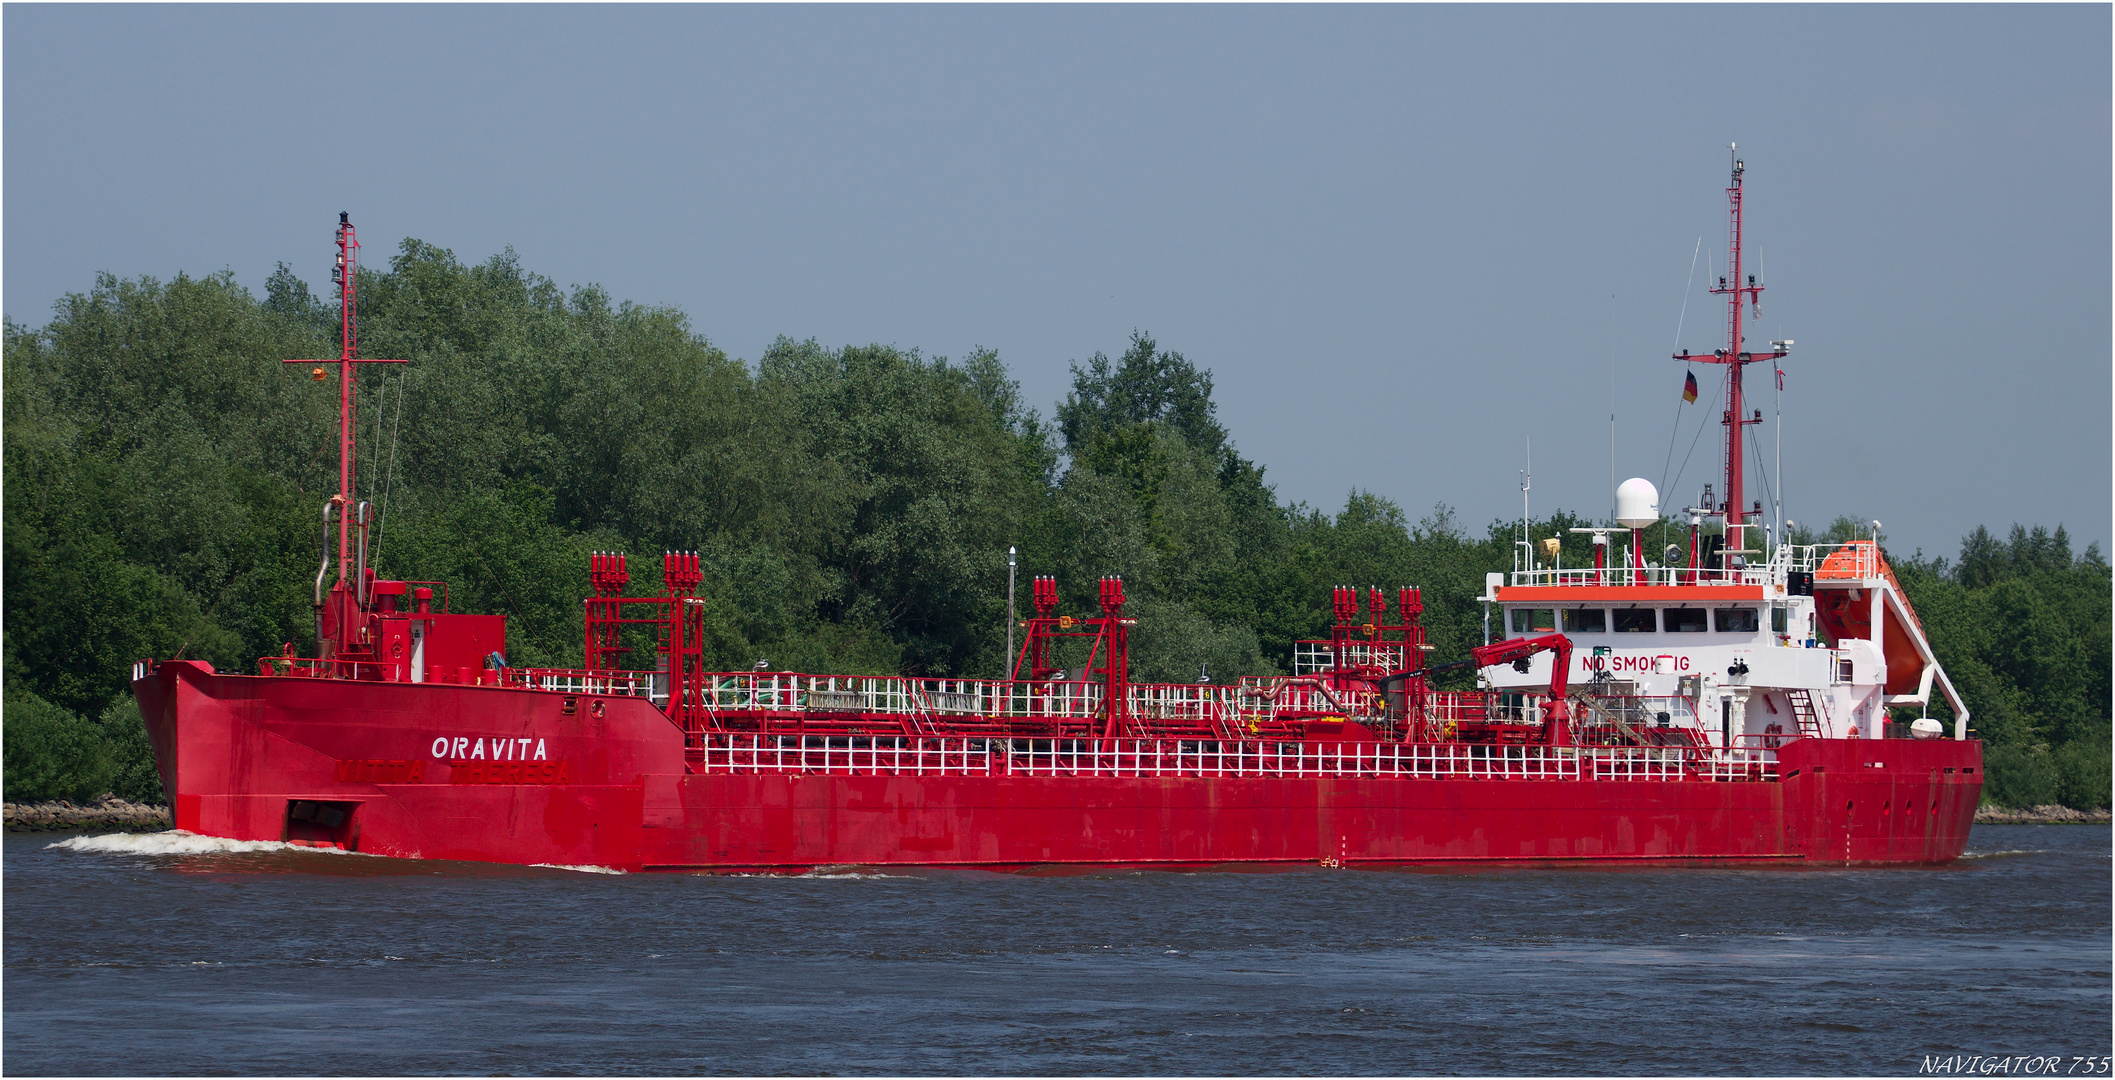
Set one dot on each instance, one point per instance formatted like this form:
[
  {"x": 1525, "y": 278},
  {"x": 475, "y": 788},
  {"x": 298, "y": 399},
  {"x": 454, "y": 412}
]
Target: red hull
[{"x": 358, "y": 764}]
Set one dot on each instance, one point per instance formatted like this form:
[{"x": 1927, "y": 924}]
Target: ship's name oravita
[{"x": 480, "y": 749}]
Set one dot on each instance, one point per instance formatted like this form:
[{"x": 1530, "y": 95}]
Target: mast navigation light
[{"x": 1782, "y": 346}]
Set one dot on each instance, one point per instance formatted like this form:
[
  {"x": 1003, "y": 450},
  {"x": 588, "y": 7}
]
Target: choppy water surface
[{"x": 159, "y": 955}]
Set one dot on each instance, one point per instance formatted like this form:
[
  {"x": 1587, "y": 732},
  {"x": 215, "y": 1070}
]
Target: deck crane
[{"x": 1556, "y": 715}]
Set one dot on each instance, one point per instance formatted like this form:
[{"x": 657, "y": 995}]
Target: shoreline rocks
[
  {"x": 2039, "y": 815},
  {"x": 108, "y": 812}
]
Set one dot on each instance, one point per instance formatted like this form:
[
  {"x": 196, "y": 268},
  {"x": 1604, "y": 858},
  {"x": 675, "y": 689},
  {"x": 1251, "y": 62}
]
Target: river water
[{"x": 167, "y": 954}]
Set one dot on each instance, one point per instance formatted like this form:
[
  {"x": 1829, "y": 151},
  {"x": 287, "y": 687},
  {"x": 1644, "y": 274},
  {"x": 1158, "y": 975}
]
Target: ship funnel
[{"x": 1637, "y": 503}]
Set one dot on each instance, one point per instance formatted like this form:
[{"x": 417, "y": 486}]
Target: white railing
[
  {"x": 1132, "y": 758},
  {"x": 1306, "y": 695},
  {"x": 1199, "y": 705},
  {"x": 1314, "y": 657},
  {"x": 1641, "y": 712},
  {"x": 646, "y": 684},
  {"x": 1857, "y": 559},
  {"x": 786, "y": 693},
  {"x": 1210, "y": 711},
  {"x": 1753, "y": 574},
  {"x": 1457, "y": 708},
  {"x": 841, "y": 757}
]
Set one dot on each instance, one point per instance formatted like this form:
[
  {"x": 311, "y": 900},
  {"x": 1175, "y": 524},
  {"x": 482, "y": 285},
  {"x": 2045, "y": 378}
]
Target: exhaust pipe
[
  {"x": 361, "y": 518},
  {"x": 323, "y": 568}
]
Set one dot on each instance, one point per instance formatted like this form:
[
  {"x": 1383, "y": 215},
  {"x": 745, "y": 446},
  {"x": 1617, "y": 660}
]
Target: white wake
[
  {"x": 2008, "y": 851},
  {"x": 178, "y": 842}
]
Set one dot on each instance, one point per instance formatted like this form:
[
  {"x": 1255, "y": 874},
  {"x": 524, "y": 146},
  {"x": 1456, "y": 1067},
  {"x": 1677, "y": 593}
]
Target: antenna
[
  {"x": 1777, "y": 415},
  {"x": 1527, "y": 478}
]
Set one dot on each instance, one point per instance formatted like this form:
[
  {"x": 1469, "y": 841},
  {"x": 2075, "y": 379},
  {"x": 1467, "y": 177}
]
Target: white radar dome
[{"x": 1637, "y": 503}]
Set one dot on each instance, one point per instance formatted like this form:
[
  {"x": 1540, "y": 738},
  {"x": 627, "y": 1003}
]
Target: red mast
[
  {"x": 346, "y": 275},
  {"x": 1735, "y": 355}
]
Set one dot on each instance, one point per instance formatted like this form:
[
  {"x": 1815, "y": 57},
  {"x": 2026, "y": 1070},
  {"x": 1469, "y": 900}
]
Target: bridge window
[
  {"x": 1585, "y": 621},
  {"x": 1534, "y": 620},
  {"x": 1735, "y": 620},
  {"x": 1637, "y": 620},
  {"x": 1685, "y": 620}
]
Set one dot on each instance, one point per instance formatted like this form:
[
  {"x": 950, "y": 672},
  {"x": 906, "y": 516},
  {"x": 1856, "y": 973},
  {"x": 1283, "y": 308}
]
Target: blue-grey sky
[{"x": 1405, "y": 239}]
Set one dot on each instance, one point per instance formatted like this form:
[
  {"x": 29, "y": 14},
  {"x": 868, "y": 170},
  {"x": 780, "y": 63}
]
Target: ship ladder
[
  {"x": 924, "y": 721},
  {"x": 1803, "y": 711},
  {"x": 1617, "y": 764}
]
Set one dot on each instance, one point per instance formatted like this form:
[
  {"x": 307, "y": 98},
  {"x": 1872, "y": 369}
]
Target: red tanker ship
[{"x": 1713, "y": 709}]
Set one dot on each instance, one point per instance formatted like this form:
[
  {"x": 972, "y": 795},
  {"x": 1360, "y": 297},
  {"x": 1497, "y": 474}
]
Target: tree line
[{"x": 852, "y": 508}]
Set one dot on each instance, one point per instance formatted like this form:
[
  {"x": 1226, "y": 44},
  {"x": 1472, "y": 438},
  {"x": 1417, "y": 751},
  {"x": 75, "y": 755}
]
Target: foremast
[{"x": 336, "y": 613}]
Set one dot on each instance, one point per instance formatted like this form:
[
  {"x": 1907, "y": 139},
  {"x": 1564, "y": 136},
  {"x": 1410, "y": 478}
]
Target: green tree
[
  {"x": 51, "y": 753},
  {"x": 2022, "y": 627},
  {"x": 1146, "y": 385}
]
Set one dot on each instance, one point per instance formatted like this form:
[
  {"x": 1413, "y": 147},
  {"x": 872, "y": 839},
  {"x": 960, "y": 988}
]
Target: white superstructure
[{"x": 1814, "y": 641}]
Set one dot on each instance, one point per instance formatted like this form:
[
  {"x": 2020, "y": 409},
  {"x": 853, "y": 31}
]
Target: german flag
[{"x": 1689, "y": 389}]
